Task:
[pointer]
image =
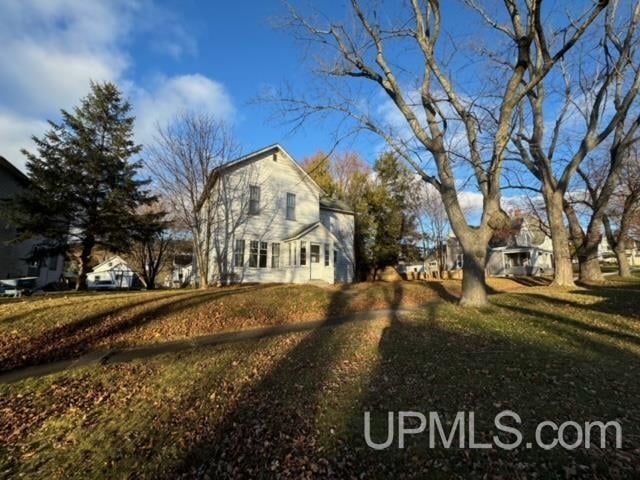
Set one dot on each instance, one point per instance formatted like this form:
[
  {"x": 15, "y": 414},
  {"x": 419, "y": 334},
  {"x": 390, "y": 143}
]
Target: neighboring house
[
  {"x": 607, "y": 255},
  {"x": 181, "y": 271},
  {"x": 278, "y": 226},
  {"x": 112, "y": 274},
  {"x": 14, "y": 258},
  {"x": 453, "y": 257},
  {"x": 523, "y": 250}
]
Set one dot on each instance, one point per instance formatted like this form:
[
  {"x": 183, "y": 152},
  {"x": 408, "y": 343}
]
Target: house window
[
  {"x": 335, "y": 258},
  {"x": 275, "y": 255},
  {"x": 253, "y": 254},
  {"x": 291, "y": 206},
  {"x": 254, "y": 200},
  {"x": 459, "y": 260},
  {"x": 326, "y": 254},
  {"x": 291, "y": 260},
  {"x": 303, "y": 253},
  {"x": 33, "y": 268},
  {"x": 315, "y": 253},
  {"x": 96, "y": 278},
  {"x": 263, "y": 254},
  {"x": 238, "y": 254},
  {"x": 53, "y": 263}
]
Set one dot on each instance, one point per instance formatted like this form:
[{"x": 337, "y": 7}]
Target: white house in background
[
  {"x": 278, "y": 225},
  {"x": 181, "y": 271},
  {"x": 14, "y": 258},
  {"x": 607, "y": 255},
  {"x": 112, "y": 274},
  {"x": 525, "y": 251}
]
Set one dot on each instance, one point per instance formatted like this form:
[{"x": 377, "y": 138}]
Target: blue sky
[
  {"x": 166, "y": 55},
  {"x": 169, "y": 56}
]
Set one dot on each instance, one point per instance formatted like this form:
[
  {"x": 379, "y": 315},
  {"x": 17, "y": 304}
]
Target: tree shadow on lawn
[
  {"x": 579, "y": 331},
  {"x": 271, "y": 428},
  {"x": 427, "y": 367},
  {"x": 430, "y": 362},
  {"x": 79, "y": 337},
  {"x": 613, "y": 301}
]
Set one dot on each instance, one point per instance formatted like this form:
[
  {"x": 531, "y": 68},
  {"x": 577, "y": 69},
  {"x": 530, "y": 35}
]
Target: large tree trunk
[
  {"x": 624, "y": 269},
  {"x": 563, "y": 271},
  {"x": 85, "y": 258},
  {"x": 590, "y": 271},
  {"x": 474, "y": 285},
  {"x": 586, "y": 245}
]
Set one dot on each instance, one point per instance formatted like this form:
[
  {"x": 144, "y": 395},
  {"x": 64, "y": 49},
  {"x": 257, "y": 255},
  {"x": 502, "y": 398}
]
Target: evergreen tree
[
  {"x": 396, "y": 229},
  {"x": 84, "y": 190}
]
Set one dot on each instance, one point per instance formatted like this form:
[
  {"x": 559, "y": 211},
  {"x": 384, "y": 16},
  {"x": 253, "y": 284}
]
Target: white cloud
[
  {"x": 52, "y": 49},
  {"x": 15, "y": 134},
  {"x": 471, "y": 203},
  {"x": 173, "y": 95}
]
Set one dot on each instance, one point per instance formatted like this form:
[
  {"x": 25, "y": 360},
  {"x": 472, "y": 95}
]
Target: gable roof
[
  {"x": 513, "y": 235},
  {"x": 215, "y": 173},
  {"x": 116, "y": 260},
  {"x": 14, "y": 171},
  {"x": 276, "y": 147},
  {"x": 302, "y": 231},
  {"x": 328, "y": 203}
]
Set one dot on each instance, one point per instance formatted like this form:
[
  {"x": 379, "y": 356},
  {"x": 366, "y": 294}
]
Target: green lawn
[{"x": 293, "y": 405}]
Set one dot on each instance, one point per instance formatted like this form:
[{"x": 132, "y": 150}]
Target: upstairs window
[
  {"x": 303, "y": 253},
  {"x": 326, "y": 254},
  {"x": 253, "y": 254},
  {"x": 291, "y": 206},
  {"x": 275, "y": 255},
  {"x": 238, "y": 254},
  {"x": 254, "y": 200},
  {"x": 263, "y": 254}
]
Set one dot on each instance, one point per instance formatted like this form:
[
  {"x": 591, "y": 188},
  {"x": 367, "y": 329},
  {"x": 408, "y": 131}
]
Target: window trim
[
  {"x": 254, "y": 201},
  {"x": 288, "y": 206},
  {"x": 275, "y": 255},
  {"x": 239, "y": 253},
  {"x": 254, "y": 250},
  {"x": 303, "y": 253},
  {"x": 265, "y": 256}
]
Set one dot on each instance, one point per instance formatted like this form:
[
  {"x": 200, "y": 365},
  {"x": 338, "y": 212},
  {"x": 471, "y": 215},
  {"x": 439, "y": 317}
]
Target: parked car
[{"x": 17, "y": 287}]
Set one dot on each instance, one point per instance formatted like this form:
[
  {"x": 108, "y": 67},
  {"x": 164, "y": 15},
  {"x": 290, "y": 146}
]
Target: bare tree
[
  {"x": 607, "y": 84},
  {"x": 431, "y": 104},
  {"x": 623, "y": 212},
  {"x": 428, "y": 208},
  {"x": 152, "y": 244},
  {"x": 183, "y": 160}
]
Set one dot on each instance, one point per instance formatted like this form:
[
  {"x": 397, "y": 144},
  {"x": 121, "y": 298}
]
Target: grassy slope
[
  {"x": 42, "y": 329},
  {"x": 294, "y": 404}
]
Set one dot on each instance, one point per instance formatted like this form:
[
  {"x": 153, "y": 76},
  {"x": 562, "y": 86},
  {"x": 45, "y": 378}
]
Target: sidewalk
[{"x": 105, "y": 357}]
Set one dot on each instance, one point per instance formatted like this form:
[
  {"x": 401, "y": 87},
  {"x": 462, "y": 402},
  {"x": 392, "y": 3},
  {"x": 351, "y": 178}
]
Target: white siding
[
  {"x": 276, "y": 174},
  {"x": 342, "y": 227}
]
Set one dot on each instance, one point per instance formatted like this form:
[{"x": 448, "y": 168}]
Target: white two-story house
[{"x": 273, "y": 223}]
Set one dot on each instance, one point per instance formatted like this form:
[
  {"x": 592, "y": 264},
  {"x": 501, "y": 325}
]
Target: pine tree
[
  {"x": 84, "y": 189},
  {"x": 396, "y": 229}
]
